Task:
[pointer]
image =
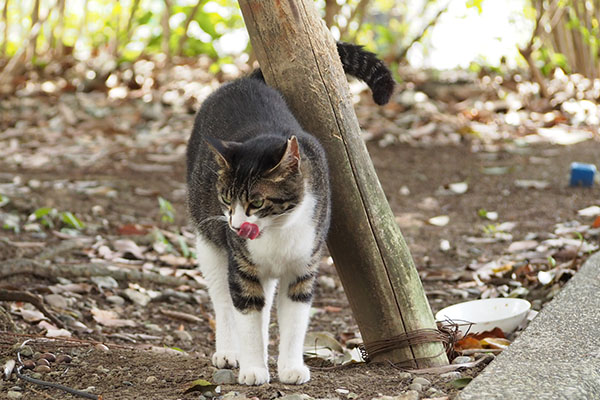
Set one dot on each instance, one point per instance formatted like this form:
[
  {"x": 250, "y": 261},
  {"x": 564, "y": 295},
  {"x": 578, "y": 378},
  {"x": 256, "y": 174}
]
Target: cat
[{"x": 259, "y": 199}]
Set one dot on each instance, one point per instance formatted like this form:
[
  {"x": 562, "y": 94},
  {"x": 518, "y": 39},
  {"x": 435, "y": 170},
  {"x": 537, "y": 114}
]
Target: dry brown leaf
[{"x": 110, "y": 318}]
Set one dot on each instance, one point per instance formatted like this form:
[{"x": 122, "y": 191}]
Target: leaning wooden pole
[{"x": 298, "y": 56}]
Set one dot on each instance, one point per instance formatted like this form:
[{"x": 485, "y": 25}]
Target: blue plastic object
[{"x": 582, "y": 174}]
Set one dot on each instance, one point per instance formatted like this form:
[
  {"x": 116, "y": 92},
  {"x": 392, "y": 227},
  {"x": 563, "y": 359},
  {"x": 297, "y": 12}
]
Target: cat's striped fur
[{"x": 250, "y": 162}]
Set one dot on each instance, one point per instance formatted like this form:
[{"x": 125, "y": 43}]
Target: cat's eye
[
  {"x": 225, "y": 200},
  {"x": 257, "y": 203}
]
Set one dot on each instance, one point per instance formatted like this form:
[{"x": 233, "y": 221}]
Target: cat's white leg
[
  {"x": 214, "y": 266},
  {"x": 293, "y": 313},
  {"x": 253, "y": 339},
  {"x": 253, "y": 363},
  {"x": 269, "y": 289}
]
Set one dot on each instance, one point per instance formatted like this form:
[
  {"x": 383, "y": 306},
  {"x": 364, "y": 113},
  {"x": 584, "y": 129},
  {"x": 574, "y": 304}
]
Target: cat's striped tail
[
  {"x": 367, "y": 67},
  {"x": 363, "y": 65}
]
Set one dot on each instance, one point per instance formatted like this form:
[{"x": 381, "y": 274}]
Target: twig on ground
[
  {"x": 75, "y": 392},
  {"x": 180, "y": 315},
  {"x": 87, "y": 270},
  {"x": 19, "y": 295}
]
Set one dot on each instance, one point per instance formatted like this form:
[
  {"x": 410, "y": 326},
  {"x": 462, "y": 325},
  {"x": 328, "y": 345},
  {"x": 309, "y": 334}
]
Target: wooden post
[{"x": 298, "y": 56}]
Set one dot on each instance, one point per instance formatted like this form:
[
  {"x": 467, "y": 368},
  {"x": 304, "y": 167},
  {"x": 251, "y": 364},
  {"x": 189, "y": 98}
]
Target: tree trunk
[
  {"x": 298, "y": 56},
  {"x": 5, "y": 33},
  {"x": 60, "y": 29},
  {"x": 166, "y": 31},
  {"x": 35, "y": 17}
]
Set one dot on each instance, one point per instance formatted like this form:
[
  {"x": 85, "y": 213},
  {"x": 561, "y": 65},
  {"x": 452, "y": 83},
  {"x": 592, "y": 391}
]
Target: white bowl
[{"x": 486, "y": 314}]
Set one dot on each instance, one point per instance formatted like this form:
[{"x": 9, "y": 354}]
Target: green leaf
[
  {"x": 460, "y": 382},
  {"x": 185, "y": 250},
  {"x": 42, "y": 212},
  {"x": 482, "y": 212},
  {"x": 167, "y": 211},
  {"x": 71, "y": 220},
  {"x": 551, "y": 261},
  {"x": 10, "y": 222},
  {"x": 4, "y": 200}
]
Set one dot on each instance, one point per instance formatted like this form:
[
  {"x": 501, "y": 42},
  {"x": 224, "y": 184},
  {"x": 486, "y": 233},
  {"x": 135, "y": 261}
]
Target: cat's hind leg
[
  {"x": 293, "y": 313},
  {"x": 213, "y": 263}
]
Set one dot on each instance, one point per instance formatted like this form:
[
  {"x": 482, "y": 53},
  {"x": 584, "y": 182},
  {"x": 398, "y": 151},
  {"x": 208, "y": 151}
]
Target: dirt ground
[{"x": 139, "y": 362}]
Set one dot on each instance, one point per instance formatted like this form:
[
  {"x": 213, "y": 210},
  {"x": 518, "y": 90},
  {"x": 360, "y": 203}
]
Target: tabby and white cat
[{"x": 259, "y": 198}]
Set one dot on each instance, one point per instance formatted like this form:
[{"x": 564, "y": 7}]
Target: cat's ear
[
  {"x": 222, "y": 151},
  {"x": 290, "y": 160}
]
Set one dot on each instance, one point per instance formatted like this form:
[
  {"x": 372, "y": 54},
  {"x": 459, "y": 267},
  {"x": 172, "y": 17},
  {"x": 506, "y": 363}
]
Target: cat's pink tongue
[{"x": 249, "y": 231}]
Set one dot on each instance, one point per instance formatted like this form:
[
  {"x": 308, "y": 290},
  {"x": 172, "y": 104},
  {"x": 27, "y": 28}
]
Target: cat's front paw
[
  {"x": 294, "y": 376},
  {"x": 253, "y": 376},
  {"x": 224, "y": 359}
]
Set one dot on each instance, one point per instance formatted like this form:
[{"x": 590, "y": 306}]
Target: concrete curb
[{"x": 558, "y": 354}]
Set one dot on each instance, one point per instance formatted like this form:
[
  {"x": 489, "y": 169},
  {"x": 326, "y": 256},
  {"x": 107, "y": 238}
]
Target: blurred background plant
[{"x": 439, "y": 34}]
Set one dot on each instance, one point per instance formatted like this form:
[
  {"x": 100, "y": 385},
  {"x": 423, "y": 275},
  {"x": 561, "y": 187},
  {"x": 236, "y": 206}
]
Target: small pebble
[
  {"x": 404, "y": 375},
  {"x": 117, "y": 300},
  {"x": 16, "y": 388},
  {"x": 102, "y": 369},
  {"x": 26, "y": 351},
  {"x": 451, "y": 375},
  {"x": 184, "y": 336},
  {"x": 153, "y": 327},
  {"x": 29, "y": 364},
  {"x": 296, "y": 396},
  {"x": 127, "y": 383},
  {"x": 415, "y": 386},
  {"x": 422, "y": 381},
  {"x": 42, "y": 369},
  {"x": 151, "y": 379},
  {"x": 49, "y": 356},
  {"x": 63, "y": 358},
  {"x": 409, "y": 395},
  {"x": 56, "y": 300},
  {"x": 462, "y": 360},
  {"x": 13, "y": 395},
  {"x": 36, "y": 375},
  {"x": 102, "y": 347},
  {"x": 224, "y": 377},
  {"x": 43, "y": 361}
]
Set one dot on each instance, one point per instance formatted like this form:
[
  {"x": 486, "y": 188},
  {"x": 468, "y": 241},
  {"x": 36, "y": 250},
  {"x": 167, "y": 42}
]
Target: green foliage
[
  {"x": 167, "y": 211},
  {"x": 50, "y": 217},
  {"x": 475, "y": 4},
  {"x": 4, "y": 200}
]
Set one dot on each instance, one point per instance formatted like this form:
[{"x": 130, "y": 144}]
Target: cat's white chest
[{"x": 287, "y": 249}]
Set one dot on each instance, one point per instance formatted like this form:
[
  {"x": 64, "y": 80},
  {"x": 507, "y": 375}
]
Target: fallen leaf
[
  {"x": 128, "y": 246},
  {"x": 322, "y": 340},
  {"x": 440, "y": 220},
  {"x": 110, "y": 318},
  {"x": 495, "y": 343},
  {"x": 460, "y": 382},
  {"x": 134, "y": 229},
  {"x": 202, "y": 386},
  {"x": 591, "y": 211},
  {"x": 523, "y": 245},
  {"x": 54, "y": 333},
  {"x": 468, "y": 342},
  {"x": 531, "y": 184},
  {"x": 31, "y": 315},
  {"x": 596, "y": 223}
]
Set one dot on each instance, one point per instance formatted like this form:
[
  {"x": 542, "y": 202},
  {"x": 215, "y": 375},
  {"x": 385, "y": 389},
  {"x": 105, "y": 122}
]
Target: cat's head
[{"x": 259, "y": 181}]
